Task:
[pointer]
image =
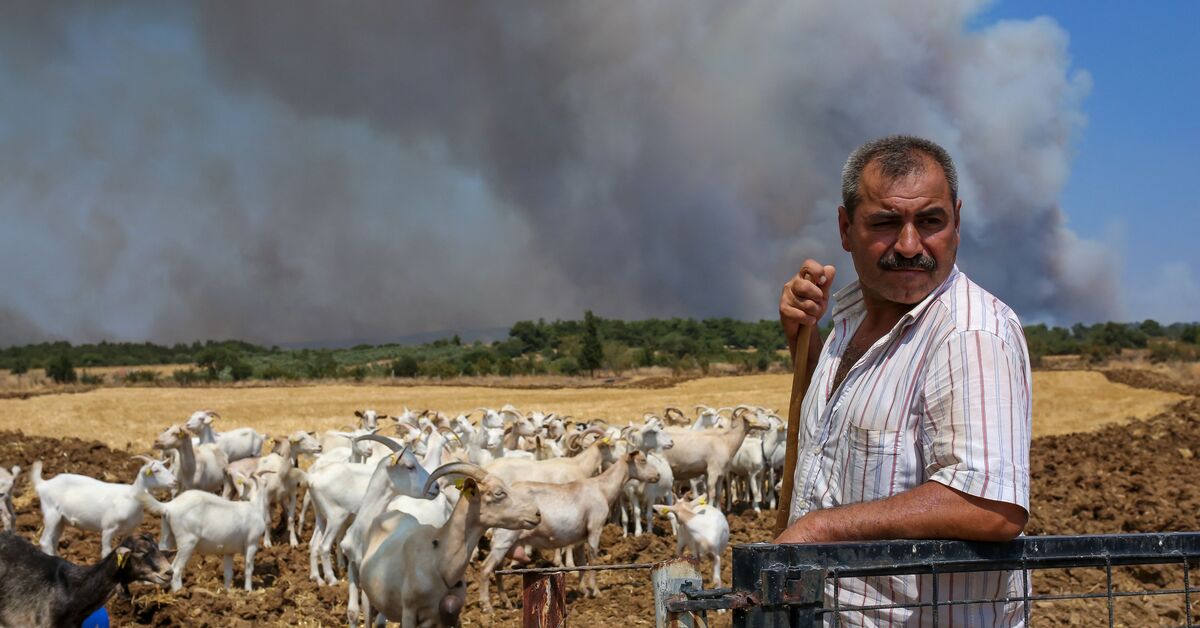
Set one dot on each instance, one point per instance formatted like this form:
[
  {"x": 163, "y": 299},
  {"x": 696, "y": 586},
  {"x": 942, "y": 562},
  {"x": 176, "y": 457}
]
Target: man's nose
[{"x": 908, "y": 243}]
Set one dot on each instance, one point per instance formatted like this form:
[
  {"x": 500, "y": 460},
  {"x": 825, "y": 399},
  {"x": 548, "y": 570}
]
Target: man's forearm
[{"x": 929, "y": 511}]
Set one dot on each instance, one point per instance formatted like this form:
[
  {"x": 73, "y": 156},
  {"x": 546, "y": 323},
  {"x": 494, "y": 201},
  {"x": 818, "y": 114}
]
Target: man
[{"x": 916, "y": 424}]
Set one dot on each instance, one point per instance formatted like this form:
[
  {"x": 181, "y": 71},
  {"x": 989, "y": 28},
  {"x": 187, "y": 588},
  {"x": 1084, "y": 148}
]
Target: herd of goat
[{"x": 402, "y": 513}]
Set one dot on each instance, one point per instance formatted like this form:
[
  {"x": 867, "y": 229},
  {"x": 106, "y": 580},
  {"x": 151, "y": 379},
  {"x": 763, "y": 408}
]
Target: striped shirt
[{"x": 945, "y": 395}]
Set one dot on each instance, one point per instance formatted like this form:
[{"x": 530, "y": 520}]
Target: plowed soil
[{"x": 1134, "y": 477}]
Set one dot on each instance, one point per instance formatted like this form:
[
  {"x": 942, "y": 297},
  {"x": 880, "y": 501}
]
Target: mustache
[{"x": 897, "y": 262}]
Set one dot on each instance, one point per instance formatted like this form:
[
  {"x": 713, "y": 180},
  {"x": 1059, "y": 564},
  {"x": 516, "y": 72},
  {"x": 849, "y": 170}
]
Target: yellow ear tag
[
  {"x": 121, "y": 560},
  {"x": 703, "y": 501},
  {"x": 606, "y": 440},
  {"x": 395, "y": 459},
  {"x": 149, "y": 471},
  {"x": 459, "y": 483}
]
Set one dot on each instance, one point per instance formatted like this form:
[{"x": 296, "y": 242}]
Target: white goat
[
  {"x": 703, "y": 531},
  {"x": 706, "y": 453},
  {"x": 413, "y": 573},
  {"x": 243, "y": 442},
  {"x": 571, "y": 513},
  {"x": 400, "y": 474},
  {"x": 337, "y": 492},
  {"x": 8, "y": 515},
  {"x": 746, "y": 470},
  {"x": 639, "y": 496},
  {"x": 554, "y": 470},
  {"x": 201, "y": 467},
  {"x": 89, "y": 504},
  {"x": 204, "y": 522}
]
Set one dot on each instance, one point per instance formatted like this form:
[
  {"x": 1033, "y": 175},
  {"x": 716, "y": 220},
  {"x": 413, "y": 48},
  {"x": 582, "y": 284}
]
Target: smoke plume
[{"x": 288, "y": 171}]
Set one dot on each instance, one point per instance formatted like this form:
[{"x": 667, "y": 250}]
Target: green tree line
[{"x": 571, "y": 347}]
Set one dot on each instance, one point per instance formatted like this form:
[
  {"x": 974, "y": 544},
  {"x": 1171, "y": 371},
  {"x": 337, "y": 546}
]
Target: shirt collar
[{"x": 848, "y": 301}]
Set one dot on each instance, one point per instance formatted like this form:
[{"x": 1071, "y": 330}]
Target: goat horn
[
  {"x": 473, "y": 471},
  {"x": 146, "y": 458},
  {"x": 391, "y": 444},
  {"x": 668, "y": 410}
]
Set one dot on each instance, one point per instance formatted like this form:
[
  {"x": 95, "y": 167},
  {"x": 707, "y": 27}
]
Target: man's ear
[
  {"x": 844, "y": 227},
  {"x": 957, "y": 214}
]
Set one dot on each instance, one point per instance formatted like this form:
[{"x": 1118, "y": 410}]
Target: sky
[
  {"x": 291, "y": 172},
  {"x": 1138, "y": 150}
]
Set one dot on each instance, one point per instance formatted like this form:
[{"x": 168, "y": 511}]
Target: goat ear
[{"x": 358, "y": 413}]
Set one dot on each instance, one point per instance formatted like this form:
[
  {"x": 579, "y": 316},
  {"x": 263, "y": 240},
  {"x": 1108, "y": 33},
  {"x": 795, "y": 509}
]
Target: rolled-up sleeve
[{"x": 978, "y": 410}]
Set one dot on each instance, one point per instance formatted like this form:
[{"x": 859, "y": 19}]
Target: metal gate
[{"x": 779, "y": 586}]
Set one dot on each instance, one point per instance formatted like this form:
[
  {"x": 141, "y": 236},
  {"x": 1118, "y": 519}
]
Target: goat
[
  {"x": 639, "y": 496},
  {"x": 287, "y": 477},
  {"x": 747, "y": 467},
  {"x": 41, "y": 590},
  {"x": 201, "y": 467},
  {"x": 706, "y": 453},
  {"x": 571, "y": 513},
  {"x": 243, "y": 442},
  {"x": 337, "y": 491},
  {"x": 8, "y": 515},
  {"x": 87, "y": 503},
  {"x": 703, "y": 530},
  {"x": 414, "y": 573},
  {"x": 400, "y": 474},
  {"x": 554, "y": 470},
  {"x": 204, "y": 522}
]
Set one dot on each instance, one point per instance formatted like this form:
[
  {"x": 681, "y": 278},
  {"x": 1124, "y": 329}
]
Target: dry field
[{"x": 1064, "y": 401}]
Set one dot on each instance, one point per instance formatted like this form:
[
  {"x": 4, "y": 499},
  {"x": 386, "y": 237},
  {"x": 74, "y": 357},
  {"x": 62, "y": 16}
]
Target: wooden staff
[{"x": 799, "y": 387}]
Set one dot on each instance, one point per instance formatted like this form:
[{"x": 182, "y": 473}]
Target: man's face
[{"x": 904, "y": 234}]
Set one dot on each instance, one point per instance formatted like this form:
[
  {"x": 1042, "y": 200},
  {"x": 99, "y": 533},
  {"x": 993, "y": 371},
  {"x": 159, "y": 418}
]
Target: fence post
[
  {"x": 668, "y": 578},
  {"x": 544, "y": 600}
]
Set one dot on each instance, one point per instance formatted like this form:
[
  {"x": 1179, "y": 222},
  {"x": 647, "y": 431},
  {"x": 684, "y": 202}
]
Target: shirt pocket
[{"x": 873, "y": 463}]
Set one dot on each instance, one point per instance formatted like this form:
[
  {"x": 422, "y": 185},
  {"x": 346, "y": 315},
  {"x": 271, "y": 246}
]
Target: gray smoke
[{"x": 285, "y": 171}]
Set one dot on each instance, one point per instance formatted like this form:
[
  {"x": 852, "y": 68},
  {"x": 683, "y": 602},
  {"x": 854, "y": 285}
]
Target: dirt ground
[{"x": 1133, "y": 477}]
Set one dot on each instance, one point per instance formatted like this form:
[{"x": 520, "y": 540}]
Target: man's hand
[{"x": 804, "y": 301}]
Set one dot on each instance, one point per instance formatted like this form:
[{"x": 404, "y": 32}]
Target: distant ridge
[{"x": 483, "y": 334}]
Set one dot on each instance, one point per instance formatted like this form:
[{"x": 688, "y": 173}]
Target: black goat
[{"x": 41, "y": 590}]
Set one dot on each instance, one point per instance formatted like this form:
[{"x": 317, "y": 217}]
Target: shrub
[
  {"x": 62, "y": 370},
  {"x": 565, "y": 366},
  {"x": 275, "y": 372},
  {"x": 762, "y": 359},
  {"x": 88, "y": 379},
  {"x": 185, "y": 377},
  {"x": 321, "y": 365},
  {"x": 441, "y": 369},
  {"x": 405, "y": 366},
  {"x": 140, "y": 376}
]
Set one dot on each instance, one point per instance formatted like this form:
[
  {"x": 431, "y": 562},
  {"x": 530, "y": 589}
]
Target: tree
[
  {"x": 62, "y": 370},
  {"x": 20, "y": 366},
  {"x": 592, "y": 353}
]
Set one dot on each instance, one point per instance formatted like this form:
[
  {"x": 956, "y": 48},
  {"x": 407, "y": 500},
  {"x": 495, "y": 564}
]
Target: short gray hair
[{"x": 898, "y": 156}]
